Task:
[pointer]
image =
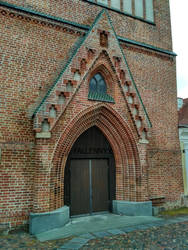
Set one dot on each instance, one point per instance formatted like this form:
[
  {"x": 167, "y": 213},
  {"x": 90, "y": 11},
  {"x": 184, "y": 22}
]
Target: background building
[
  {"x": 88, "y": 106},
  {"x": 183, "y": 135}
]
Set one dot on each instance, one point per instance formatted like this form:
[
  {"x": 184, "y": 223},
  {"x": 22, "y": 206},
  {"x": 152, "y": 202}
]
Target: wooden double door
[{"x": 89, "y": 186}]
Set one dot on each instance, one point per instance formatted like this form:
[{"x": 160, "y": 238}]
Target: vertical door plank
[
  {"x": 100, "y": 185},
  {"x": 80, "y": 195}
]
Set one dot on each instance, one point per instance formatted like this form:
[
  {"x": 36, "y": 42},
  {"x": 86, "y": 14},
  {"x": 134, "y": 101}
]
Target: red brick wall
[
  {"x": 32, "y": 56},
  {"x": 16, "y": 191},
  {"x": 155, "y": 76},
  {"x": 84, "y": 13}
]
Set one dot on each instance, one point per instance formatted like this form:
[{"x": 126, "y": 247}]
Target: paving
[
  {"x": 94, "y": 224},
  {"x": 157, "y": 234},
  {"x": 130, "y": 225},
  {"x": 84, "y": 229}
]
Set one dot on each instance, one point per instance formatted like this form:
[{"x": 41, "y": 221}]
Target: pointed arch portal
[
  {"x": 123, "y": 150},
  {"x": 90, "y": 174}
]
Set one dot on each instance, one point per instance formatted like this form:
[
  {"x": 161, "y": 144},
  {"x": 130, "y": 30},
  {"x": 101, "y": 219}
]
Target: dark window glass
[
  {"x": 97, "y": 84},
  {"x": 98, "y": 77},
  {"x": 93, "y": 85}
]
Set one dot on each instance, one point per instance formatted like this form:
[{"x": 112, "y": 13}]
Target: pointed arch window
[{"x": 98, "y": 89}]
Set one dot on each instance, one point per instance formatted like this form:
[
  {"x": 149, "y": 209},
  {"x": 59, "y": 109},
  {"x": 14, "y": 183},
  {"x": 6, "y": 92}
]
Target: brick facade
[{"x": 48, "y": 45}]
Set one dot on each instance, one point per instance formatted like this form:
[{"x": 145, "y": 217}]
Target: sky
[{"x": 179, "y": 21}]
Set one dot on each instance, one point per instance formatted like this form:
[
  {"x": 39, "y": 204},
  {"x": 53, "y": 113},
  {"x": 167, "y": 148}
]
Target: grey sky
[{"x": 179, "y": 17}]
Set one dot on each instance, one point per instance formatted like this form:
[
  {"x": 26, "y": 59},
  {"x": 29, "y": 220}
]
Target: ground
[{"x": 164, "y": 236}]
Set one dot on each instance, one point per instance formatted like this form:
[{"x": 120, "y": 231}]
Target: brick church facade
[{"x": 87, "y": 83}]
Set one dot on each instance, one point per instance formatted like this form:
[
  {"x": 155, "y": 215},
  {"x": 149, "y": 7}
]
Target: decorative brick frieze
[{"x": 34, "y": 20}]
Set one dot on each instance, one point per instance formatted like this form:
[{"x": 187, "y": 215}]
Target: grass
[{"x": 175, "y": 212}]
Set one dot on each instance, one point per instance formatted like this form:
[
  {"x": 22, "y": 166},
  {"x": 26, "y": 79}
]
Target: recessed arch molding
[{"x": 123, "y": 144}]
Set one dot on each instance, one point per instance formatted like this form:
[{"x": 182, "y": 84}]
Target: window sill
[
  {"x": 94, "y": 96},
  {"x": 45, "y": 135}
]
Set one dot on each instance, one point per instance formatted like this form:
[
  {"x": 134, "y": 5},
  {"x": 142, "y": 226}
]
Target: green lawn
[{"x": 175, "y": 212}]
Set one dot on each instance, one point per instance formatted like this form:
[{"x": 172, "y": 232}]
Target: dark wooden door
[
  {"x": 100, "y": 185},
  {"x": 79, "y": 185},
  {"x": 89, "y": 186}
]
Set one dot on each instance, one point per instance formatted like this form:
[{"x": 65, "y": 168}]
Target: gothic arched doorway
[{"x": 90, "y": 174}]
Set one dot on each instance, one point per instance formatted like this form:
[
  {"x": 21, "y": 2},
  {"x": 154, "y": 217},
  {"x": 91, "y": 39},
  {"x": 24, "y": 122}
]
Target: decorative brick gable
[{"x": 100, "y": 41}]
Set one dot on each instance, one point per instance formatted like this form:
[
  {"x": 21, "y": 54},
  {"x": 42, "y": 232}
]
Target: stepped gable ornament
[
  {"x": 83, "y": 66},
  {"x": 117, "y": 61},
  {"x": 104, "y": 39}
]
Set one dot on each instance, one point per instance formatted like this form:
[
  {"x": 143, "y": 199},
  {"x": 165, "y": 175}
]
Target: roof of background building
[{"x": 183, "y": 113}]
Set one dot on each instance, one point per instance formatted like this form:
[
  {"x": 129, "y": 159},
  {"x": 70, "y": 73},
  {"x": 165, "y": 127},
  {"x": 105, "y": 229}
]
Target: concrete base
[
  {"x": 5, "y": 228},
  {"x": 130, "y": 208},
  {"x": 42, "y": 222},
  {"x": 157, "y": 210}
]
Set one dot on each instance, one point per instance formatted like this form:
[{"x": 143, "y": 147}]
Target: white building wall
[{"x": 183, "y": 135}]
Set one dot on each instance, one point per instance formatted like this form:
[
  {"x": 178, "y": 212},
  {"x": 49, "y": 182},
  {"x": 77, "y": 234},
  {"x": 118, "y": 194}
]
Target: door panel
[
  {"x": 80, "y": 193},
  {"x": 89, "y": 186},
  {"x": 100, "y": 194}
]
